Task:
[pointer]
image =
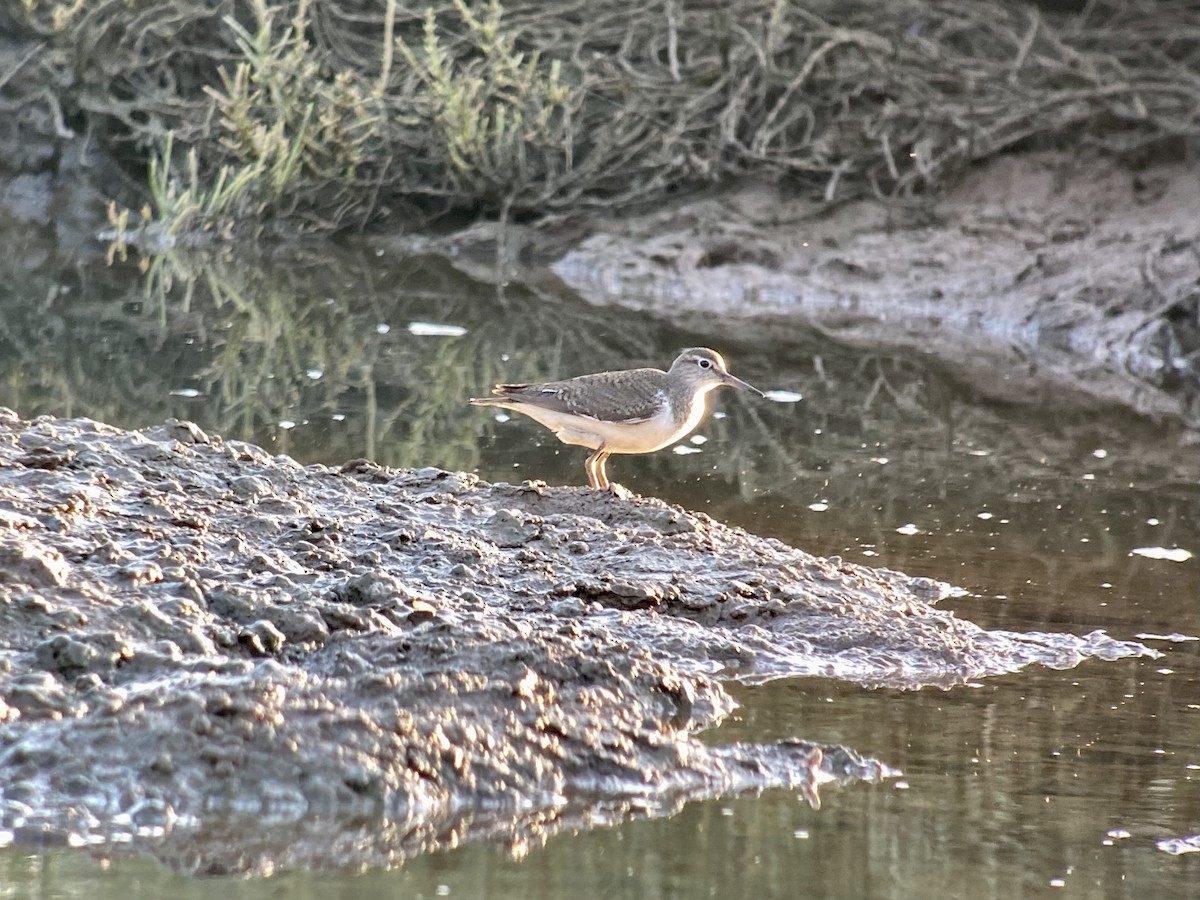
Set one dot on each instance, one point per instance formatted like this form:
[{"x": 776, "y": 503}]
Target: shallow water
[{"x": 1039, "y": 783}]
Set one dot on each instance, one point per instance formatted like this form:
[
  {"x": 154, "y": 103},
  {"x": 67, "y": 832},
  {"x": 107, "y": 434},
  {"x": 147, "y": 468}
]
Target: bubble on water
[
  {"x": 435, "y": 329},
  {"x": 1174, "y": 637},
  {"x": 1170, "y": 554},
  {"x": 1178, "y": 846}
]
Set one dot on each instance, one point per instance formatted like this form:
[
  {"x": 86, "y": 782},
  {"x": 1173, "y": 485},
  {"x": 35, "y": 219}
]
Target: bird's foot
[{"x": 619, "y": 491}]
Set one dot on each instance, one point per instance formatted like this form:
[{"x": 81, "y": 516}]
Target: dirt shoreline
[
  {"x": 201, "y": 640},
  {"x": 1039, "y": 274},
  {"x": 1036, "y": 273}
]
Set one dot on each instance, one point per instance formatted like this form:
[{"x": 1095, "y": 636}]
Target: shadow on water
[{"x": 1049, "y": 513}]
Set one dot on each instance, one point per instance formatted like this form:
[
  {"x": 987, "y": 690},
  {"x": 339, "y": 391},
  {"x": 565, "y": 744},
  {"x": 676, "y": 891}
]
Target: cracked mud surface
[{"x": 243, "y": 663}]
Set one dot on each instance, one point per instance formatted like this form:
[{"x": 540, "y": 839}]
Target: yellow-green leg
[{"x": 595, "y": 468}]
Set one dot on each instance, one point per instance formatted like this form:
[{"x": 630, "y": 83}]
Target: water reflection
[{"x": 1034, "y": 507}]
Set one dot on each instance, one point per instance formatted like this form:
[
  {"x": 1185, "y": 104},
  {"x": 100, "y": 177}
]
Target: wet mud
[{"x": 239, "y": 663}]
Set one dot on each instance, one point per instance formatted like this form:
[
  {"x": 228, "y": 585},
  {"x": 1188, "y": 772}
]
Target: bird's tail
[{"x": 501, "y": 395}]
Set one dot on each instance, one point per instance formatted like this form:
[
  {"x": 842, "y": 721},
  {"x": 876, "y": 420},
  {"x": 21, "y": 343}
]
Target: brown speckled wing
[{"x": 627, "y": 396}]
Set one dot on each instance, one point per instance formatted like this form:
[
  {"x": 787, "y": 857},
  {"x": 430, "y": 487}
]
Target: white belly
[{"x": 645, "y": 436}]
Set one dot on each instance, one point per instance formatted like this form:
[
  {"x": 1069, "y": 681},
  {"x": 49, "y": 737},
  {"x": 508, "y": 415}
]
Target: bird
[{"x": 625, "y": 411}]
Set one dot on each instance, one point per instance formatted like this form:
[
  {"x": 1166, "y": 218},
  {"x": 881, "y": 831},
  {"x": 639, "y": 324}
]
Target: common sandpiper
[{"x": 628, "y": 411}]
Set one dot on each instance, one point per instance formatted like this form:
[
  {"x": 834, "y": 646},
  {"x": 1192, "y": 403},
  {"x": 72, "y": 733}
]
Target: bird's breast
[{"x": 643, "y": 436}]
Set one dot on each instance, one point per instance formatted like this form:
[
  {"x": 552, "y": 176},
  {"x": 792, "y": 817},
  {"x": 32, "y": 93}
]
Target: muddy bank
[
  {"x": 1039, "y": 274},
  {"x": 200, "y": 639}
]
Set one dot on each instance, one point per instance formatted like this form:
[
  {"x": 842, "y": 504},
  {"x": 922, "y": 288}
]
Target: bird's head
[{"x": 703, "y": 370}]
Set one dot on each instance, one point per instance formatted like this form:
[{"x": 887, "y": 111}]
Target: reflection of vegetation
[{"x": 295, "y": 338}]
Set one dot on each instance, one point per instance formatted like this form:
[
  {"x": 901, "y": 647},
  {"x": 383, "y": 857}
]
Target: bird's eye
[{"x": 705, "y": 364}]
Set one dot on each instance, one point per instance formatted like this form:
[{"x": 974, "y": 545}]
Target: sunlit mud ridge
[{"x": 235, "y": 660}]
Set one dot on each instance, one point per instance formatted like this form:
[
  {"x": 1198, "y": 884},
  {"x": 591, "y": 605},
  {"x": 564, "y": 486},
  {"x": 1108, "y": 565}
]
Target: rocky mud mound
[{"x": 241, "y": 663}]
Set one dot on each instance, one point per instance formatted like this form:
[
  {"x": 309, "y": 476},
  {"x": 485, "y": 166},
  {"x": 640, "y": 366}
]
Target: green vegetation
[
  {"x": 293, "y": 116},
  {"x": 494, "y": 126}
]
